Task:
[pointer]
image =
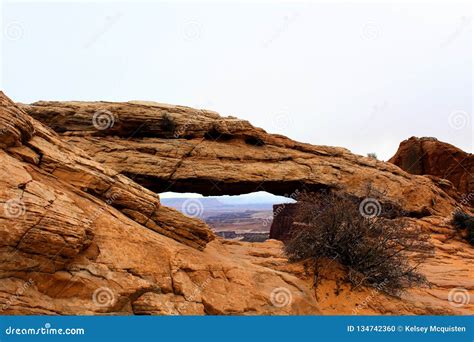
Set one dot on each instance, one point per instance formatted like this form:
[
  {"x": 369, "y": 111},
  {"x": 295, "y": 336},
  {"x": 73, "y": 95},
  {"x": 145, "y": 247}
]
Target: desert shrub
[
  {"x": 374, "y": 250},
  {"x": 372, "y": 155},
  {"x": 463, "y": 221},
  {"x": 168, "y": 124}
]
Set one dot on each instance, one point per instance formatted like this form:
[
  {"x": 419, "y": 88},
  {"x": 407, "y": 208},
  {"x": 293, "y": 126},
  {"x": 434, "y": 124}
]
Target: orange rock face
[
  {"x": 428, "y": 156},
  {"x": 283, "y": 217},
  {"x": 175, "y": 148},
  {"x": 79, "y": 238},
  {"x": 82, "y": 230}
]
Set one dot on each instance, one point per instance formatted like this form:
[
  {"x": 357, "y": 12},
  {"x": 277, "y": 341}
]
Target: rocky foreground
[{"x": 82, "y": 230}]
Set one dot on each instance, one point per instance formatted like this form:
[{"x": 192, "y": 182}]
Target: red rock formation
[
  {"x": 283, "y": 216},
  {"x": 77, "y": 236},
  {"x": 429, "y": 156},
  {"x": 176, "y": 148}
]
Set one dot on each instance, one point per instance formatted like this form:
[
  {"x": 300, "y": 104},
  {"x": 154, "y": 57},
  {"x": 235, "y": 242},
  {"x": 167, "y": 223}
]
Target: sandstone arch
[
  {"x": 175, "y": 148},
  {"x": 85, "y": 225}
]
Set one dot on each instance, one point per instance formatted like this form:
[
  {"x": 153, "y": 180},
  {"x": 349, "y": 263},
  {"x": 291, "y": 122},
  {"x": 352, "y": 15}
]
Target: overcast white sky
[{"x": 358, "y": 75}]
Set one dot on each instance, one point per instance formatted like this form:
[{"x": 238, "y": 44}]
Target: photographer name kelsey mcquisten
[
  {"x": 407, "y": 328},
  {"x": 434, "y": 328}
]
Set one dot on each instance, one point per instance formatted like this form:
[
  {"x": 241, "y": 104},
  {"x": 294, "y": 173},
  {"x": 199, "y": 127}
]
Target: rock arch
[{"x": 176, "y": 148}]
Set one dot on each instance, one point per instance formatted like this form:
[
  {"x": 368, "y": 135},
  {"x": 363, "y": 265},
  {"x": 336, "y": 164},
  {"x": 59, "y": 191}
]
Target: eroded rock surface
[
  {"x": 82, "y": 230},
  {"x": 175, "y": 148},
  {"x": 283, "y": 217},
  {"x": 79, "y": 238},
  {"x": 451, "y": 168}
]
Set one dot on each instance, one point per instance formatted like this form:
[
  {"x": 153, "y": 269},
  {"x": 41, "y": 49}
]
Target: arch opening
[{"x": 245, "y": 217}]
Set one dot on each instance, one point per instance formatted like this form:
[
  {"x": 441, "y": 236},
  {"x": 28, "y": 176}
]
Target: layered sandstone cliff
[{"x": 83, "y": 231}]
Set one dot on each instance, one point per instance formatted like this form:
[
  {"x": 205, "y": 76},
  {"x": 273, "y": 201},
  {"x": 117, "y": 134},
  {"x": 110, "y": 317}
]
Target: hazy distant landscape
[{"x": 245, "y": 217}]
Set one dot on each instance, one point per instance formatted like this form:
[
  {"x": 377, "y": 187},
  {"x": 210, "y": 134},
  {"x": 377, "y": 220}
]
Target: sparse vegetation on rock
[
  {"x": 168, "y": 124},
  {"x": 372, "y": 155},
  {"x": 464, "y": 222},
  {"x": 374, "y": 249},
  {"x": 80, "y": 216}
]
